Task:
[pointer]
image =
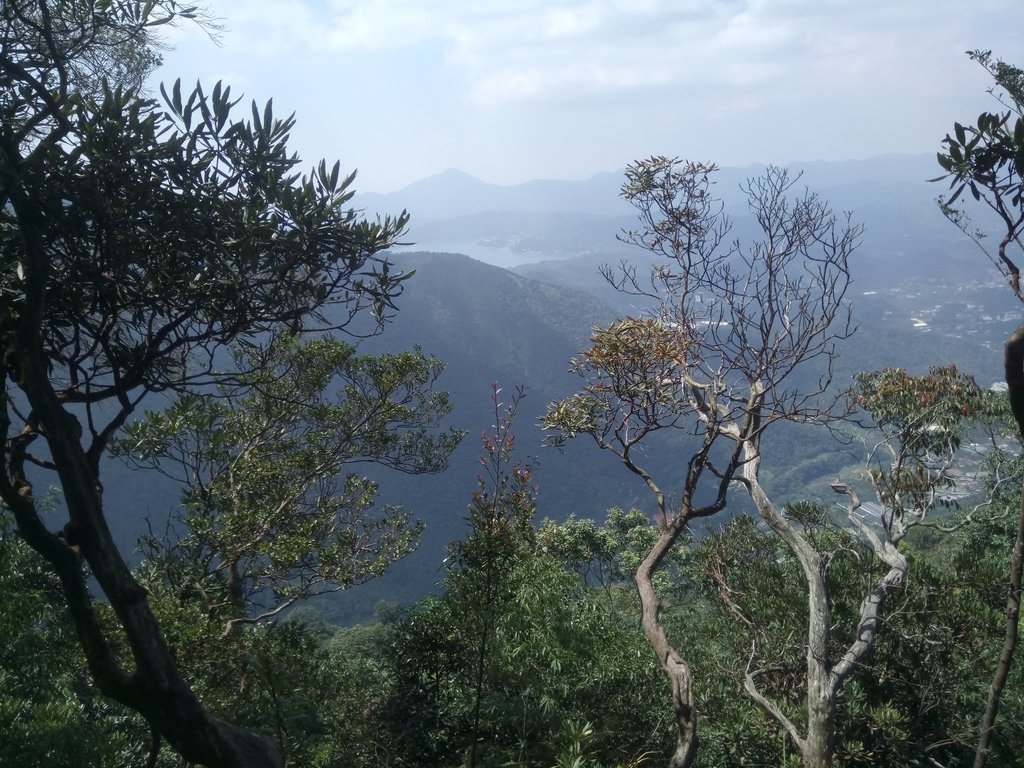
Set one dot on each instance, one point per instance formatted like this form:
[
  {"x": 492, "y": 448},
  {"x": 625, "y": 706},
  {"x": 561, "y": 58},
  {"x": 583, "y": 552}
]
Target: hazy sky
[{"x": 511, "y": 90}]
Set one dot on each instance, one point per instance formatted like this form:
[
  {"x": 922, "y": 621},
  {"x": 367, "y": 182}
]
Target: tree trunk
[
  {"x": 821, "y": 705},
  {"x": 1009, "y": 644},
  {"x": 155, "y": 687},
  {"x": 1014, "y": 364},
  {"x": 676, "y": 669},
  {"x": 816, "y": 747}
]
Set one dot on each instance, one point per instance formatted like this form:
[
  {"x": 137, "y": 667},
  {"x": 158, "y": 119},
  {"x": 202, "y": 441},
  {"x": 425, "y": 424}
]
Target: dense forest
[{"x": 182, "y": 306}]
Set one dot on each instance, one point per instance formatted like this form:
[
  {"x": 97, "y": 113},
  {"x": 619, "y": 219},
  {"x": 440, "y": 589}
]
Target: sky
[{"x": 514, "y": 90}]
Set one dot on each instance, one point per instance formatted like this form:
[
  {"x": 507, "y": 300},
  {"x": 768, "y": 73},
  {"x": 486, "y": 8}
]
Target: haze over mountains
[
  {"x": 452, "y": 194},
  {"x": 542, "y": 221},
  {"x": 922, "y": 295}
]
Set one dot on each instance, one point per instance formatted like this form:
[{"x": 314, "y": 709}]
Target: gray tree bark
[
  {"x": 676, "y": 669},
  {"x": 823, "y": 678},
  {"x": 1014, "y": 365}
]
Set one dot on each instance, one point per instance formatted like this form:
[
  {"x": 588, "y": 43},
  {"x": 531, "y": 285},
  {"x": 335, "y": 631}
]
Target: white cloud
[
  {"x": 741, "y": 80},
  {"x": 514, "y": 51}
]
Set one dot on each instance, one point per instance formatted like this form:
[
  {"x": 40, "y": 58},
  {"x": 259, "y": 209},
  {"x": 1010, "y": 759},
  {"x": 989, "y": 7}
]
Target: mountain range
[{"x": 526, "y": 302}]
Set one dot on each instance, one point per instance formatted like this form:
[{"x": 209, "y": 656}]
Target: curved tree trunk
[
  {"x": 1014, "y": 365},
  {"x": 676, "y": 669},
  {"x": 824, "y": 678},
  {"x": 154, "y": 687},
  {"x": 816, "y": 747},
  {"x": 1009, "y": 644}
]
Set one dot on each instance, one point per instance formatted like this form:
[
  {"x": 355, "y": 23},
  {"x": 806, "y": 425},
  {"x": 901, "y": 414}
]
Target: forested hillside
[{"x": 725, "y": 472}]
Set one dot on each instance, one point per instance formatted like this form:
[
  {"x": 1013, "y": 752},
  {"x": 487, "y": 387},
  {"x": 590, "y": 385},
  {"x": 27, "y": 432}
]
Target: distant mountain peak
[
  {"x": 455, "y": 174},
  {"x": 447, "y": 176},
  {"x": 453, "y": 193}
]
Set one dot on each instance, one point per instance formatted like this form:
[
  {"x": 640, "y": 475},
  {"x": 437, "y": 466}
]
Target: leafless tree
[{"x": 740, "y": 337}]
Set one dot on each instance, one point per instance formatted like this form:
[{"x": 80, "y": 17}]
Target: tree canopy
[
  {"x": 173, "y": 254},
  {"x": 732, "y": 328},
  {"x": 138, "y": 240}
]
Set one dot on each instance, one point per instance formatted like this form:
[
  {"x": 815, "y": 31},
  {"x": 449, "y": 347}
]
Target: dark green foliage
[
  {"x": 987, "y": 159},
  {"x": 50, "y": 714},
  {"x": 557, "y": 656},
  {"x": 920, "y": 691},
  {"x": 519, "y": 652},
  {"x": 271, "y": 510},
  {"x": 137, "y": 241},
  {"x": 564, "y": 654},
  {"x": 604, "y": 556},
  {"x": 181, "y": 227}
]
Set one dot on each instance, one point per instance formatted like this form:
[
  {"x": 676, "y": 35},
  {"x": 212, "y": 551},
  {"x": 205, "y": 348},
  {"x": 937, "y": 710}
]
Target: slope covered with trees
[
  {"x": 171, "y": 252},
  {"x": 173, "y": 232}
]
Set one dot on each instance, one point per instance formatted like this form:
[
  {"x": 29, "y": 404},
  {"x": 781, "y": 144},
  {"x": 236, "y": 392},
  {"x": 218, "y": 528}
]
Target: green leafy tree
[
  {"x": 359, "y": 684},
  {"x": 501, "y": 532},
  {"x": 907, "y": 703},
  {"x": 719, "y": 360},
  {"x": 272, "y": 510},
  {"x": 50, "y": 714},
  {"x": 519, "y": 652},
  {"x": 557, "y": 656},
  {"x": 607, "y": 556},
  {"x": 442, "y": 669},
  {"x": 979, "y": 585},
  {"x": 921, "y": 420},
  {"x": 137, "y": 241},
  {"x": 987, "y": 159}
]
